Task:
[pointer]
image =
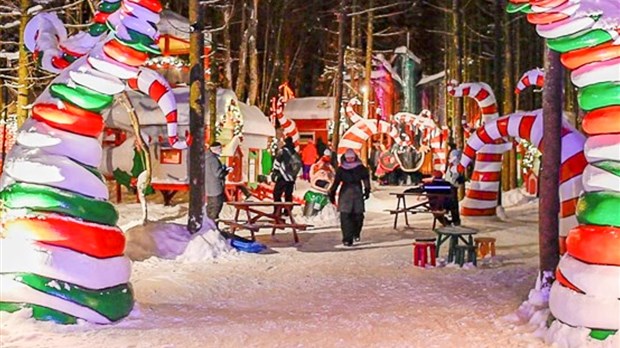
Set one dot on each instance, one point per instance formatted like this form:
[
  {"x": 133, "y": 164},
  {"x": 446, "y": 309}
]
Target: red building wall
[{"x": 317, "y": 127}]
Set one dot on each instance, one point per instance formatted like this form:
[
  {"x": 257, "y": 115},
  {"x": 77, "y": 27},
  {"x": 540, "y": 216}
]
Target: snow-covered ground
[{"x": 316, "y": 293}]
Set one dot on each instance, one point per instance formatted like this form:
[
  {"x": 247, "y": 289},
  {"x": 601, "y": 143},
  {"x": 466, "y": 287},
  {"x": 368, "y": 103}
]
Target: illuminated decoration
[
  {"x": 230, "y": 124},
  {"x": 62, "y": 255},
  {"x": 585, "y": 32},
  {"x": 285, "y": 93},
  {"x": 481, "y": 196}
]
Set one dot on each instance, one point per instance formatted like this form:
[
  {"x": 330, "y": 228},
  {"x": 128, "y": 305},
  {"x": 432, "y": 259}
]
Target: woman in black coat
[{"x": 352, "y": 174}]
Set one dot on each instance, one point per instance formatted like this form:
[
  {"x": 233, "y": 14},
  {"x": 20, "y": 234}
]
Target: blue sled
[{"x": 243, "y": 244}]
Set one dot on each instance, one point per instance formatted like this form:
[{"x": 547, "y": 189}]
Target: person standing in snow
[
  {"x": 309, "y": 155},
  {"x": 215, "y": 176},
  {"x": 285, "y": 169},
  {"x": 351, "y": 175}
]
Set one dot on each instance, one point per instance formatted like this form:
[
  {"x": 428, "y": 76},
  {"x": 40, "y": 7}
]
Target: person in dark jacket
[
  {"x": 283, "y": 173},
  {"x": 353, "y": 176},
  {"x": 215, "y": 176}
]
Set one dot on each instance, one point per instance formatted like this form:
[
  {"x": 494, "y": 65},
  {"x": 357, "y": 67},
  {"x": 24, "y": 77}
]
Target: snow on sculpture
[
  {"x": 585, "y": 32},
  {"x": 62, "y": 254},
  {"x": 481, "y": 196}
]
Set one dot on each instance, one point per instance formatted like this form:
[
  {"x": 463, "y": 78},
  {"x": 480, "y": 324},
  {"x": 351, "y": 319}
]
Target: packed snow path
[{"x": 319, "y": 294}]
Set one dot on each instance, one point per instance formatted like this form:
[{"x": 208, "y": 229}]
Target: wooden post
[
  {"x": 196, "y": 116},
  {"x": 339, "y": 71},
  {"x": 548, "y": 225}
]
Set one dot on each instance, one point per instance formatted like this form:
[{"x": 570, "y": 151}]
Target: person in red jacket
[{"x": 309, "y": 155}]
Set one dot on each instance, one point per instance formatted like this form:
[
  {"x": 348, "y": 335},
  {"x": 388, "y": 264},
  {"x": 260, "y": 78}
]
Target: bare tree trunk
[
  {"x": 243, "y": 55},
  {"x": 22, "y": 70},
  {"x": 227, "y": 83},
  {"x": 510, "y": 180},
  {"x": 367, "y": 72},
  {"x": 253, "y": 92},
  {"x": 550, "y": 174},
  {"x": 196, "y": 115},
  {"x": 339, "y": 72},
  {"x": 457, "y": 25}
]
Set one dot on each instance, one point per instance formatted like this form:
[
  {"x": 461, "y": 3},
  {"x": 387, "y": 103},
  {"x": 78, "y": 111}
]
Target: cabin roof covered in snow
[
  {"x": 173, "y": 24},
  {"x": 149, "y": 114},
  {"x": 431, "y": 78},
  {"x": 404, "y": 50},
  {"x": 310, "y": 108},
  {"x": 255, "y": 122}
]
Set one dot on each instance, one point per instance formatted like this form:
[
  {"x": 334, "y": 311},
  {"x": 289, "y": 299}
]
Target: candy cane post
[
  {"x": 357, "y": 135},
  {"x": 534, "y": 77},
  {"x": 529, "y": 126},
  {"x": 481, "y": 197},
  {"x": 62, "y": 254},
  {"x": 585, "y": 32},
  {"x": 350, "y": 112}
]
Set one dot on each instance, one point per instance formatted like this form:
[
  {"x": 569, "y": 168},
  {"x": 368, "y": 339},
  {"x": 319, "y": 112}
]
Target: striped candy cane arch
[
  {"x": 529, "y": 126},
  {"x": 62, "y": 254},
  {"x": 481, "y": 197},
  {"x": 534, "y": 77},
  {"x": 432, "y": 136},
  {"x": 585, "y": 32}
]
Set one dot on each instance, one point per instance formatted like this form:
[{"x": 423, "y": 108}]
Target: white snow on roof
[
  {"x": 255, "y": 122},
  {"x": 406, "y": 51},
  {"x": 150, "y": 114},
  {"x": 310, "y": 108},
  {"x": 173, "y": 24},
  {"x": 430, "y": 78}
]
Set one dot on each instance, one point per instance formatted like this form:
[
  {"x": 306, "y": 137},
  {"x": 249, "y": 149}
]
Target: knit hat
[{"x": 350, "y": 154}]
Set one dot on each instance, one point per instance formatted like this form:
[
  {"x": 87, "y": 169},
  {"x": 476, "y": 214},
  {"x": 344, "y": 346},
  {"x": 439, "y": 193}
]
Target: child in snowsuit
[{"x": 352, "y": 175}]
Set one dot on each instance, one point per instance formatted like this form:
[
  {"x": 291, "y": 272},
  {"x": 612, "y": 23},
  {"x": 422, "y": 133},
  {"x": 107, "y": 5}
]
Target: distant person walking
[
  {"x": 309, "y": 156},
  {"x": 286, "y": 167},
  {"x": 215, "y": 176},
  {"x": 351, "y": 175}
]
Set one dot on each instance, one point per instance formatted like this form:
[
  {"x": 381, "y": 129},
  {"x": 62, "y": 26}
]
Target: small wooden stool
[
  {"x": 424, "y": 251},
  {"x": 461, "y": 250},
  {"x": 484, "y": 246}
]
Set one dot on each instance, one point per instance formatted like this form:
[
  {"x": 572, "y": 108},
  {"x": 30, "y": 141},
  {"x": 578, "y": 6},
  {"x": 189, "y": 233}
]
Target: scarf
[{"x": 351, "y": 165}]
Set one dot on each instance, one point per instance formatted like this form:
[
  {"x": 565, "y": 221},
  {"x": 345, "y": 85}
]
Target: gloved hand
[
  {"x": 332, "y": 198},
  {"x": 366, "y": 194}
]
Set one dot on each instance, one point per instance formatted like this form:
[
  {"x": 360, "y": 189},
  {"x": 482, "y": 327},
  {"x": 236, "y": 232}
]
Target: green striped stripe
[
  {"x": 82, "y": 97},
  {"x": 599, "y": 208},
  {"x": 514, "y": 8},
  {"x": 599, "y": 95},
  {"x": 579, "y": 40},
  {"x": 113, "y": 303},
  {"x": 602, "y": 335},
  {"x": 97, "y": 29},
  {"x": 109, "y": 7},
  {"x": 43, "y": 198},
  {"x": 610, "y": 166},
  {"x": 39, "y": 312}
]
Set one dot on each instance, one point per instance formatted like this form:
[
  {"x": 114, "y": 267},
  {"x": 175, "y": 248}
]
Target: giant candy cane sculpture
[
  {"x": 528, "y": 126},
  {"x": 587, "y": 290},
  {"x": 62, "y": 254},
  {"x": 481, "y": 197},
  {"x": 362, "y": 129}
]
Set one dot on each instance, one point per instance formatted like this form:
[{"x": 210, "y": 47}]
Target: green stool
[{"x": 461, "y": 250}]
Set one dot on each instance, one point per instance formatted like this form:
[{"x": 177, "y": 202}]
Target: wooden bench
[{"x": 437, "y": 214}]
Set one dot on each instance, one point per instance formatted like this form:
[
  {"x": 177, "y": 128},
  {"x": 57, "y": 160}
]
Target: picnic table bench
[
  {"x": 422, "y": 206},
  {"x": 257, "y": 219}
]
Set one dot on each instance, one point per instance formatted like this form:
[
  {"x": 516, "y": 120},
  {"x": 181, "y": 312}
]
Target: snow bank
[
  {"x": 172, "y": 241},
  {"x": 517, "y": 196},
  {"x": 328, "y": 217}
]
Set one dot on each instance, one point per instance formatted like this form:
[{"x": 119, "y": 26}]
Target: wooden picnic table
[
  {"x": 270, "y": 217},
  {"x": 422, "y": 205},
  {"x": 454, "y": 234}
]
